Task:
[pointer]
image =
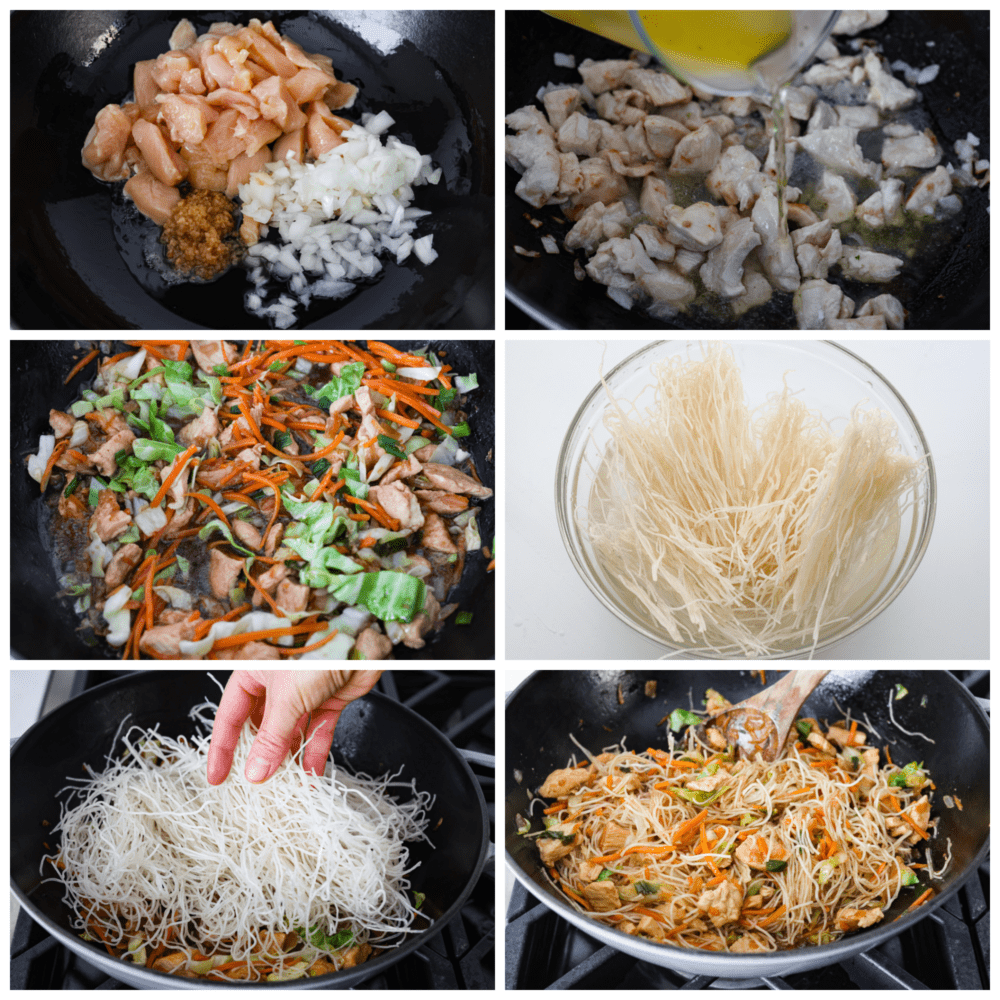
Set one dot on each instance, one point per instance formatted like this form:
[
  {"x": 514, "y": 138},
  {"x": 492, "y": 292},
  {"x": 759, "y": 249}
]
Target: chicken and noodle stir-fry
[
  {"x": 308, "y": 499},
  {"x": 692, "y": 847}
]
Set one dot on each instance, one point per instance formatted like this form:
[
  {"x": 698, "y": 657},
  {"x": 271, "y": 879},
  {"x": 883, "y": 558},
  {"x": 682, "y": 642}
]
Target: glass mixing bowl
[{"x": 830, "y": 379}]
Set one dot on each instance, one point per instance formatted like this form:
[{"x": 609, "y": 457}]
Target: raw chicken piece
[
  {"x": 293, "y": 145},
  {"x": 278, "y": 105},
  {"x": 838, "y": 148},
  {"x": 104, "y": 149},
  {"x": 839, "y": 198},
  {"x": 186, "y": 116},
  {"x": 885, "y": 90},
  {"x": 158, "y": 153},
  {"x": 920, "y": 150},
  {"x": 696, "y": 227},
  {"x": 242, "y": 167},
  {"x": 308, "y": 85},
  {"x": 153, "y": 198},
  {"x": 776, "y": 252},
  {"x": 930, "y": 189},
  {"x": 723, "y": 271},
  {"x": 867, "y": 265}
]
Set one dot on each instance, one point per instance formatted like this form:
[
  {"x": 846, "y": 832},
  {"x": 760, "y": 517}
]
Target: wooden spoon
[{"x": 760, "y": 724}]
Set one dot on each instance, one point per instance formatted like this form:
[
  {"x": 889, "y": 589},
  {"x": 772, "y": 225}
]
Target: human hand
[{"x": 288, "y": 707}]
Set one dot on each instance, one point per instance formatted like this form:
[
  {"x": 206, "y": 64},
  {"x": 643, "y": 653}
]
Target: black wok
[
  {"x": 374, "y": 734},
  {"x": 550, "y": 705},
  {"x": 949, "y": 289},
  {"x": 44, "y": 627},
  {"x": 77, "y": 248}
]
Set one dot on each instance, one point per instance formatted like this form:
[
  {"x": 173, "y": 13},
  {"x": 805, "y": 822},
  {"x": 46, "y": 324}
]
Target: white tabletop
[{"x": 942, "y": 613}]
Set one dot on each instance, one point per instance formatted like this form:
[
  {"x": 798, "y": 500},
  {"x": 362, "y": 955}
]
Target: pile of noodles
[
  {"x": 149, "y": 848},
  {"x": 743, "y": 532},
  {"x": 783, "y": 802}
]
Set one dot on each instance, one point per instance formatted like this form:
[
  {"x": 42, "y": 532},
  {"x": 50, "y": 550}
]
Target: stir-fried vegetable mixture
[{"x": 306, "y": 499}]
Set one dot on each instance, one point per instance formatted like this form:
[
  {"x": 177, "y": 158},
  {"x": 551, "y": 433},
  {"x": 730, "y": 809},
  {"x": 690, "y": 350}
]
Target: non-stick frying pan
[
  {"x": 375, "y": 734},
  {"x": 43, "y": 627},
  {"x": 77, "y": 248},
  {"x": 550, "y": 705},
  {"x": 948, "y": 289}
]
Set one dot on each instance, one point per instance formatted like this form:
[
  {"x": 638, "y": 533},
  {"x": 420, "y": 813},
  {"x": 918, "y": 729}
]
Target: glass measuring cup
[{"x": 727, "y": 52}]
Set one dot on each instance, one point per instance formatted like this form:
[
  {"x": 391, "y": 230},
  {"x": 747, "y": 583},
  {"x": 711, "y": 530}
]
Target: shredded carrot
[
  {"x": 646, "y": 912},
  {"x": 397, "y": 419},
  {"x": 920, "y": 900},
  {"x": 119, "y": 357},
  {"x": 266, "y": 596},
  {"x": 80, "y": 365},
  {"x": 368, "y": 543},
  {"x": 558, "y": 807},
  {"x": 295, "y": 651},
  {"x": 923, "y": 833},
  {"x": 894, "y": 802},
  {"x": 269, "y": 633},
  {"x": 50, "y": 464},
  {"x": 323, "y": 484},
  {"x": 852, "y": 733},
  {"x": 175, "y": 472},
  {"x": 211, "y": 503},
  {"x": 774, "y": 916},
  {"x": 383, "y": 518},
  {"x": 206, "y": 626},
  {"x": 718, "y": 880},
  {"x": 888, "y": 756}
]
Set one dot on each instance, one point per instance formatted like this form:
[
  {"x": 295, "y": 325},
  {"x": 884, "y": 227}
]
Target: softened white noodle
[{"x": 150, "y": 848}]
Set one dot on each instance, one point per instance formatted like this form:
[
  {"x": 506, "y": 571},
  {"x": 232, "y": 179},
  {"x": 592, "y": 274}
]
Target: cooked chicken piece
[
  {"x": 756, "y": 852},
  {"x": 851, "y": 22},
  {"x": 697, "y": 153},
  {"x": 554, "y": 847},
  {"x": 887, "y": 306},
  {"x": 736, "y": 179},
  {"x": 920, "y": 150},
  {"x": 61, "y": 423},
  {"x": 799, "y": 102},
  {"x": 861, "y": 117},
  {"x": 748, "y": 944},
  {"x": 579, "y": 134},
  {"x": 403, "y": 470},
  {"x": 882, "y": 207},
  {"x": 824, "y": 117},
  {"x": 869, "y": 770},
  {"x": 398, "y": 501},
  {"x": 763, "y": 894},
  {"x": 722, "y": 904},
  {"x": 930, "y": 189},
  {"x": 838, "y": 148},
  {"x": 654, "y": 242},
  {"x": 247, "y": 533},
  {"x": 108, "y": 521},
  {"x": 441, "y": 502},
  {"x": 292, "y": 596},
  {"x": 104, "y": 457},
  {"x": 588, "y": 230},
  {"x": 776, "y": 253},
  {"x": 563, "y": 782},
  {"x": 867, "y": 265},
  {"x": 819, "y": 741},
  {"x": 839, "y": 198},
  {"x": 850, "y": 918},
  {"x": 920, "y": 813},
  {"x": 122, "y": 563},
  {"x": 444, "y": 477},
  {"x": 696, "y": 227},
  {"x": 268, "y": 581},
  {"x": 599, "y": 183},
  {"x": 648, "y": 926},
  {"x": 532, "y": 152},
  {"x": 613, "y": 838},
  {"x": 608, "y": 74},
  {"x": 715, "y": 738},
  {"x": 815, "y": 261},
  {"x": 602, "y": 896},
  {"x": 371, "y": 644},
  {"x": 662, "y": 134},
  {"x": 209, "y": 353},
  {"x": 165, "y": 641},
  {"x": 665, "y": 285},
  {"x": 223, "y": 572},
  {"x": 656, "y": 200},
  {"x": 201, "y": 430},
  {"x": 710, "y": 782},
  {"x": 560, "y": 104},
  {"x": 715, "y": 703},
  {"x": 660, "y": 88},
  {"x": 859, "y": 323},
  {"x": 722, "y": 272},
  {"x": 817, "y": 303},
  {"x": 885, "y": 90},
  {"x": 842, "y": 737}
]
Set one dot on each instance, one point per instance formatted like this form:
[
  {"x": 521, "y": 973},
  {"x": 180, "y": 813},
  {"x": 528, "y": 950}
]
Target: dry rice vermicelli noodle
[
  {"x": 745, "y": 532},
  {"x": 149, "y": 843}
]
